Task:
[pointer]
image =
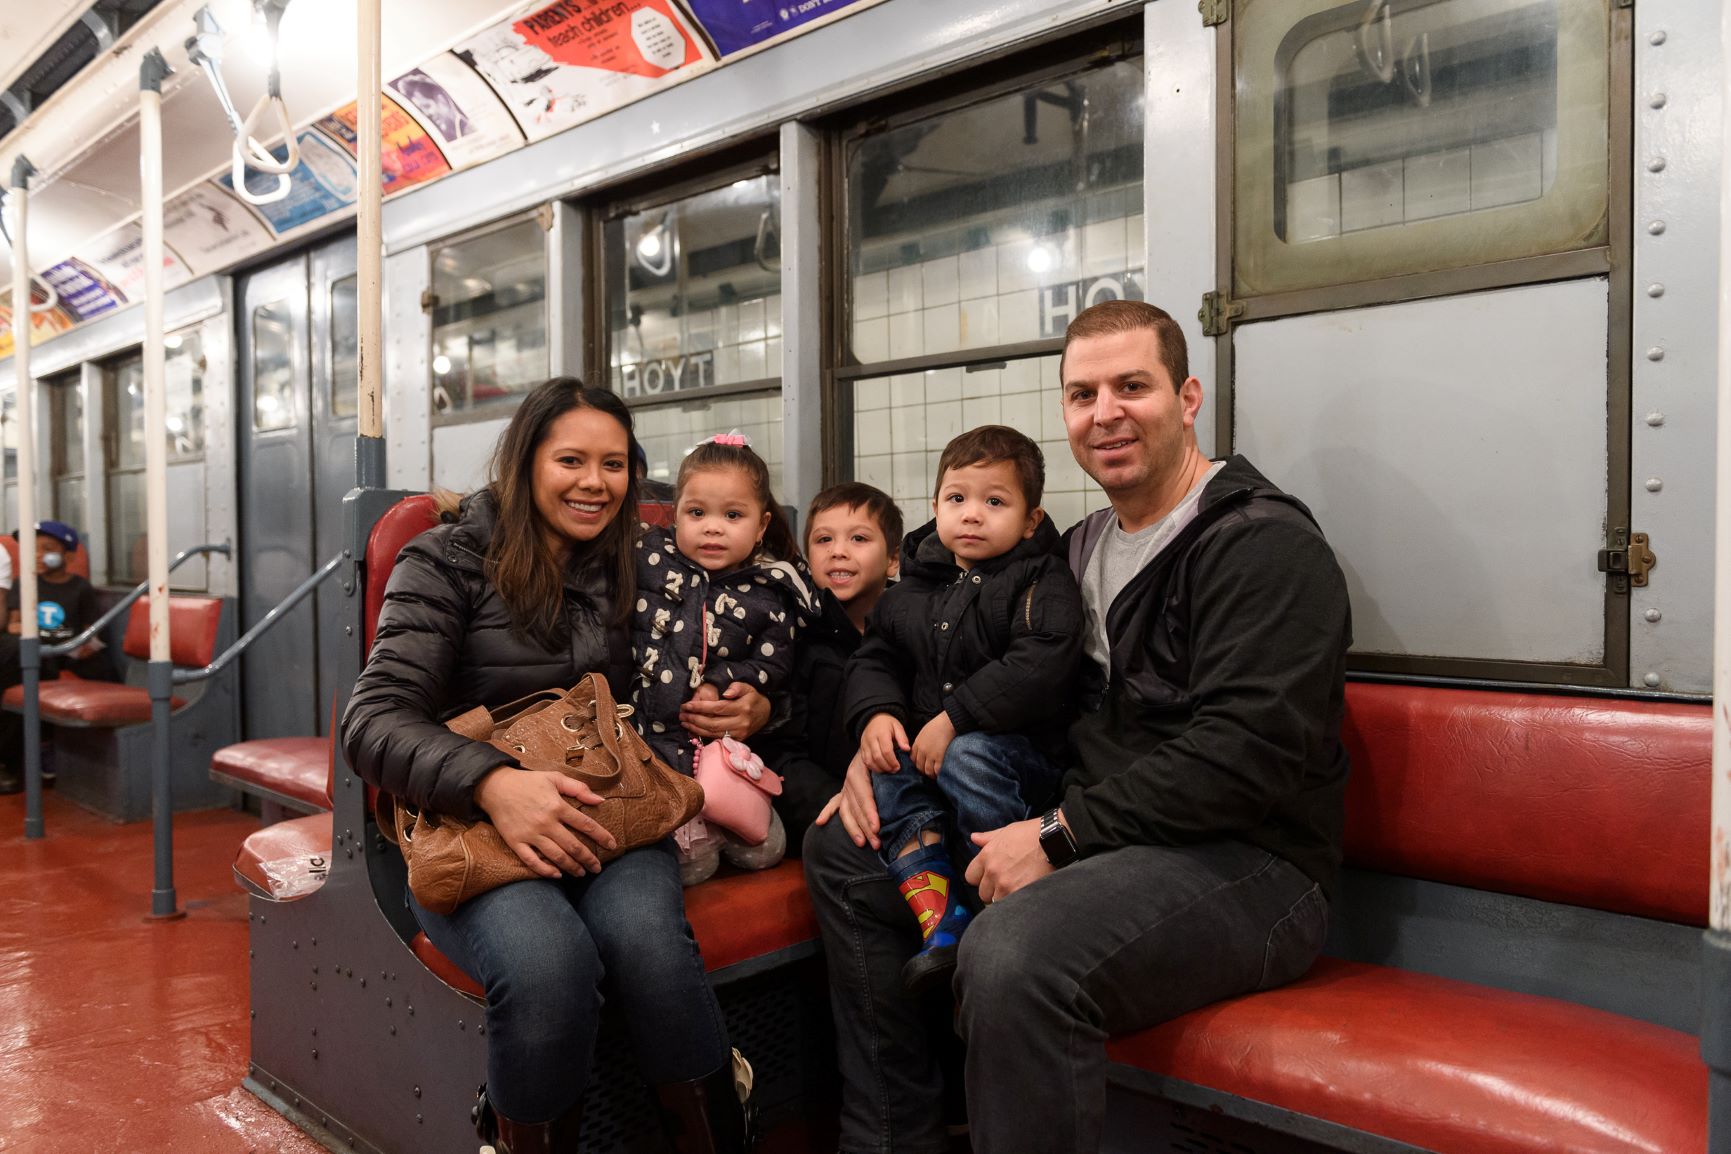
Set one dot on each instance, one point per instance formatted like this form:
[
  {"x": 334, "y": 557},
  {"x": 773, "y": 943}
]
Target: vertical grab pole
[
  {"x": 160, "y": 678},
  {"x": 1716, "y": 967},
  {"x": 369, "y": 427},
  {"x": 29, "y": 644}
]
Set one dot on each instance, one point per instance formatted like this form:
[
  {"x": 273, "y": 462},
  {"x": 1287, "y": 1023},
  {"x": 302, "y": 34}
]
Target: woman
[{"x": 528, "y": 587}]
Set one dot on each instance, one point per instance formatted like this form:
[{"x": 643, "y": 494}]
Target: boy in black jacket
[
  {"x": 974, "y": 651},
  {"x": 853, "y": 536}
]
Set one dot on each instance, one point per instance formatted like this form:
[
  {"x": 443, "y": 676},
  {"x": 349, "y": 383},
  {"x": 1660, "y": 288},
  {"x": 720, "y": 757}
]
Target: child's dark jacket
[
  {"x": 811, "y": 750},
  {"x": 752, "y": 614},
  {"x": 996, "y": 647}
]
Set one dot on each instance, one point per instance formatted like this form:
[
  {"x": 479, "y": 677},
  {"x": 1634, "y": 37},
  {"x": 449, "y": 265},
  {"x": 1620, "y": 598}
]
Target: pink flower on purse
[{"x": 737, "y": 787}]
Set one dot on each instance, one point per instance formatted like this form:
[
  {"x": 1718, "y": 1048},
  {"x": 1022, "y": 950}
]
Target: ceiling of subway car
[{"x": 84, "y": 139}]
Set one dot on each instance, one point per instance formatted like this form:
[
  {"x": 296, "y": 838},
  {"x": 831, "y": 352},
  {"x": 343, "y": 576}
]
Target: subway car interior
[{"x": 1453, "y": 272}]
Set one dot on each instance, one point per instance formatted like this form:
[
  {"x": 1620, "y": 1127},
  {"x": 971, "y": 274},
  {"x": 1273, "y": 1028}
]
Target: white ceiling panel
[{"x": 28, "y": 28}]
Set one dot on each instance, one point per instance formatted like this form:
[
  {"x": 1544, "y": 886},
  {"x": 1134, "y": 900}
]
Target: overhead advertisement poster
[
  {"x": 406, "y": 153},
  {"x": 119, "y": 259},
  {"x": 43, "y": 325},
  {"x": 84, "y": 292},
  {"x": 210, "y": 229},
  {"x": 574, "y": 60},
  {"x": 734, "y": 26},
  {"x": 456, "y": 106},
  {"x": 323, "y": 182}
]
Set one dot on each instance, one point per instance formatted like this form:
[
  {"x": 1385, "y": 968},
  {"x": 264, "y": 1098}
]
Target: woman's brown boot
[
  {"x": 712, "y": 1114},
  {"x": 500, "y": 1135}
]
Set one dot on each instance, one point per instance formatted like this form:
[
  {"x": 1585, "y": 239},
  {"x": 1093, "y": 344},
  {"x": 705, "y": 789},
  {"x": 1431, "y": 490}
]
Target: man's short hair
[
  {"x": 879, "y": 506},
  {"x": 1111, "y": 317},
  {"x": 989, "y": 444}
]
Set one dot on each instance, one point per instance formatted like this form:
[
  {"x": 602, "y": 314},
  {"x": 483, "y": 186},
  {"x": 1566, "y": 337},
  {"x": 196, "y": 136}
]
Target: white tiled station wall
[
  {"x": 975, "y": 299},
  {"x": 743, "y": 341},
  {"x": 668, "y": 432}
]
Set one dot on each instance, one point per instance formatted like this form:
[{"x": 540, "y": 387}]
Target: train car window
[
  {"x": 9, "y": 432},
  {"x": 183, "y": 432},
  {"x": 66, "y": 446},
  {"x": 273, "y": 367},
  {"x": 345, "y": 346},
  {"x": 1381, "y": 138},
  {"x": 994, "y": 224},
  {"x": 692, "y": 291},
  {"x": 974, "y": 235},
  {"x": 489, "y": 317}
]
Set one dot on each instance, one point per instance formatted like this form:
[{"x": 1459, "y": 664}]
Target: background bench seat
[{"x": 293, "y": 772}]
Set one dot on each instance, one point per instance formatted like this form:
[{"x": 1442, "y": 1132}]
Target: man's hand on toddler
[
  {"x": 879, "y": 745},
  {"x": 934, "y": 738}
]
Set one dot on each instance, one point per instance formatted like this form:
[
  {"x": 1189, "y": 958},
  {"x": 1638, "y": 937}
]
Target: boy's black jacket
[
  {"x": 996, "y": 647},
  {"x": 812, "y": 748}
]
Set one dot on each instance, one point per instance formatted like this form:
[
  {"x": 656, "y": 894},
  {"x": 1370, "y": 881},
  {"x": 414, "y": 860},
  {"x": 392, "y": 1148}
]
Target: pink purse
[{"x": 737, "y": 787}]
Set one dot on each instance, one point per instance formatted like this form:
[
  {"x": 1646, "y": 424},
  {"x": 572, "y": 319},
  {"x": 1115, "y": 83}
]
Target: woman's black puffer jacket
[
  {"x": 444, "y": 644},
  {"x": 996, "y": 647}
]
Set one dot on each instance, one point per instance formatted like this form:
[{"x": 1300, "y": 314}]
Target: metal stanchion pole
[
  {"x": 370, "y": 435},
  {"x": 29, "y": 644},
  {"x": 160, "y": 678}
]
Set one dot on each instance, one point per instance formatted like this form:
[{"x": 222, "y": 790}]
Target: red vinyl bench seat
[
  {"x": 292, "y": 771},
  {"x": 1585, "y": 801},
  {"x": 193, "y": 631},
  {"x": 737, "y": 918},
  {"x": 286, "y": 860}
]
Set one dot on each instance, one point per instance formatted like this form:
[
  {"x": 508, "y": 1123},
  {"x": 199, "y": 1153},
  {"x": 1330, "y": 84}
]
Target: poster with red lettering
[{"x": 573, "y": 60}]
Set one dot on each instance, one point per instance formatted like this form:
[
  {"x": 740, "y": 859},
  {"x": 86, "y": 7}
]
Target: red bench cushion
[
  {"x": 297, "y": 767},
  {"x": 90, "y": 702},
  {"x": 1442, "y": 1065},
  {"x": 287, "y": 860},
  {"x": 192, "y": 630},
  {"x": 1580, "y": 800},
  {"x": 399, "y": 525},
  {"x": 736, "y": 917}
]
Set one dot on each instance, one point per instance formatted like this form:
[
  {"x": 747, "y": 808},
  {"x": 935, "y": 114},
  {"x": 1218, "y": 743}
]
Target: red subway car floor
[{"x": 120, "y": 1035}]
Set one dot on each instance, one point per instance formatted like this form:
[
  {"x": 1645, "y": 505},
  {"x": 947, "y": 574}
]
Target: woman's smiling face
[{"x": 582, "y": 469}]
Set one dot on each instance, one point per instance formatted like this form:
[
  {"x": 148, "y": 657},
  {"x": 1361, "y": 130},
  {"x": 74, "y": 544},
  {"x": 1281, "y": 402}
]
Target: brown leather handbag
[{"x": 581, "y": 732}]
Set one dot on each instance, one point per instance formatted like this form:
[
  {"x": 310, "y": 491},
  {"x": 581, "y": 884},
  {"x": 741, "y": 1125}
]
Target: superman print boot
[{"x": 925, "y": 878}]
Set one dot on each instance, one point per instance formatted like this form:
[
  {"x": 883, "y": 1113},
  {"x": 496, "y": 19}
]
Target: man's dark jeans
[
  {"x": 1108, "y": 945},
  {"x": 547, "y": 951}
]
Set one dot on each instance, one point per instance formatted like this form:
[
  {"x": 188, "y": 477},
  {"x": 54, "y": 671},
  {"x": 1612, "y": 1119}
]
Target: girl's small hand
[
  {"x": 883, "y": 738},
  {"x": 529, "y": 810},
  {"x": 739, "y": 710},
  {"x": 933, "y": 740}
]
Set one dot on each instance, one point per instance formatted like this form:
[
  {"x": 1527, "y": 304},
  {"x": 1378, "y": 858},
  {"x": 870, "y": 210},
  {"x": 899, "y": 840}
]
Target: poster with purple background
[{"x": 736, "y": 25}]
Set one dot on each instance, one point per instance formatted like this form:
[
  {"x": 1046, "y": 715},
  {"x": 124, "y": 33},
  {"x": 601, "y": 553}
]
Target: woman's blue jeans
[{"x": 550, "y": 953}]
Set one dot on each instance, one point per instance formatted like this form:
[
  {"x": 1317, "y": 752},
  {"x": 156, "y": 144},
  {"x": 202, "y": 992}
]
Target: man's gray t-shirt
[{"x": 1119, "y": 556}]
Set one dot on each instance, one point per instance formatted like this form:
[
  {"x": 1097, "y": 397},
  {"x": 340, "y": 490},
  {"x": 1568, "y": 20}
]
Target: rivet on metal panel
[
  {"x": 295, "y": 945},
  {"x": 1656, "y": 38},
  {"x": 315, "y": 969},
  {"x": 1655, "y": 289},
  {"x": 261, "y": 919},
  {"x": 315, "y": 1055},
  {"x": 314, "y": 941},
  {"x": 315, "y": 985},
  {"x": 387, "y": 1002},
  {"x": 417, "y": 1091},
  {"x": 297, "y": 1100},
  {"x": 252, "y": 1013},
  {"x": 363, "y": 983},
  {"x": 1655, "y": 353},
  {"x": 481, "y": 1030},
  {"x": 1657, "y": 228},
  {"x": 1651, "y": 680},
  {"x": 461, "y": 1025},
  {"x": 1657, "y": 164},
  {"x": 1654, "y": 484},
  {"x": 348, "y": 630},
  {"x": 1653, "y": 615},
  {"x": 1657, "y": 100},
  {"x": 315, "y": 1031},
  {"x": 1655, "y": 419},
  {"x": 393, "y": 1031}
]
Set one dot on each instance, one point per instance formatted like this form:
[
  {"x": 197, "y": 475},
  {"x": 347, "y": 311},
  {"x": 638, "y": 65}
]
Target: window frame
[{"x": 496, "y": 408}]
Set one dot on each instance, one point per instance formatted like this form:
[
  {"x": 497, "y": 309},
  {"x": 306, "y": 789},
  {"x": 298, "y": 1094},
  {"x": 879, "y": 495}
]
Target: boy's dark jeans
[
  {"x": 988, "y": 780},
  {"x": 1111, "y": 944}
]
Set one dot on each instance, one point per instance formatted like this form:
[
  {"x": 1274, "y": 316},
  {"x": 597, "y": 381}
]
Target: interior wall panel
[{"x": 1454, "y": 451}]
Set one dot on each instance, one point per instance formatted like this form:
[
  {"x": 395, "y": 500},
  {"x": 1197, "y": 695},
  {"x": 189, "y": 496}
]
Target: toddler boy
[{"x": 973, "y": 651}]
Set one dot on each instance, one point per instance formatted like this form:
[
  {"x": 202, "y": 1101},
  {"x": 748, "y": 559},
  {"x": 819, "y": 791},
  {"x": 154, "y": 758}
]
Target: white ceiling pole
[
  {"x": 29, "y": 645},
  {"x": 369, "y": 259}
]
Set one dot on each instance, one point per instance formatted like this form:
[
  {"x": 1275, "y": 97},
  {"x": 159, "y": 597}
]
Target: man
[{"x": 1198, "y": 834}]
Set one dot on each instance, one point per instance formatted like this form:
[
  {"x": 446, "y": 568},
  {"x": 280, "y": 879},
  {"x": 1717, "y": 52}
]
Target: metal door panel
[
  {"x": 1455, "y": 453},
  {"x": 280, "y": 671},
  {"x": 333, "y": 441}
]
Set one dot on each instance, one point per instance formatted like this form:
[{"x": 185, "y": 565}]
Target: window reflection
[
  {"x": 694, "y": 291},
  {"x": 489, "y": 317},
  {"x": 668, "y": 432},
  {"x": 273, "y": 367},
  {"x": 183, "y": 394},
  {"x": 997, "y": 223},
  {"x": 345, "y": 347}
]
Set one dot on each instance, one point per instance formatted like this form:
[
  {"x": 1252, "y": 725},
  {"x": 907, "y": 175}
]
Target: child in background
[
  {"x": 853, "y": 536},
  {"x": 719, "y": 597},
  {"x": 974, "y": 652}
]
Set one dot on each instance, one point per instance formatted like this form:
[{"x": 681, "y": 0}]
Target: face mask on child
[{"x": 53, "y": 561}]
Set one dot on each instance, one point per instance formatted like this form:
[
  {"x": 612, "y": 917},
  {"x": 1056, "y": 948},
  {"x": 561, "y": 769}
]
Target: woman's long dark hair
[
  {"x": 524, "y": 569},
  {"x": 779, "y": 543}
]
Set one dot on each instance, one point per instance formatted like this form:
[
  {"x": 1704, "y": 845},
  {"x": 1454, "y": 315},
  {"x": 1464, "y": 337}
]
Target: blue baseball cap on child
[{"x": 60, "y": 531}]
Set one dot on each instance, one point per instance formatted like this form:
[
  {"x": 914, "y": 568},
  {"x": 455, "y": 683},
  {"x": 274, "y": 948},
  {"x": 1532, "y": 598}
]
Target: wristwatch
[{"x": 1056, "y": 840}]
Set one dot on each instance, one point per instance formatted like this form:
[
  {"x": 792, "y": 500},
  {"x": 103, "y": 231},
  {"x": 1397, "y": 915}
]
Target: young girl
[{"x": 719, "y": 597}]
